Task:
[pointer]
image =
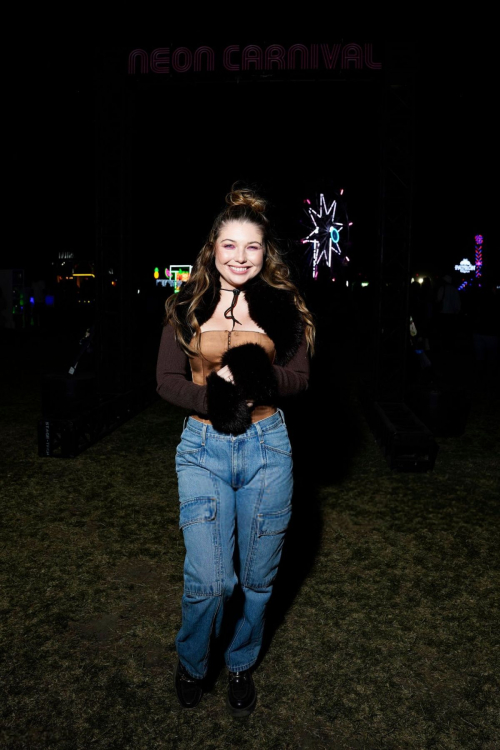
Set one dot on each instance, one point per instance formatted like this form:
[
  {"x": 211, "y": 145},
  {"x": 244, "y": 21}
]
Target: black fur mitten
[
  {"x": 253, "y": 373},
  {"x": 227, "y": 410}
]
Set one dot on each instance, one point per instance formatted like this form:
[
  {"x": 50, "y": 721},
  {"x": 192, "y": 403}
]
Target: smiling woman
[{"x": 236, "y": 340}]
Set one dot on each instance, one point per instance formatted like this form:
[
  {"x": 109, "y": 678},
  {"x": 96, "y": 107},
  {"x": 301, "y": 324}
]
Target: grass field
[{"x": 384, "y": 627}]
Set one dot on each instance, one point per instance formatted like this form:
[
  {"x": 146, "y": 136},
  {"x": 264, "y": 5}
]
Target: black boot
[
  {"x": 189, "y": 689},
  {"x": 241, "y": 694}
]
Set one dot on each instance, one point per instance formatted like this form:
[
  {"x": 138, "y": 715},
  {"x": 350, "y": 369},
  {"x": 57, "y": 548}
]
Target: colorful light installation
[
  {"x": 179, "y": 274},
  {"x": 479, "y": 254},
  {"x": 175, "y": 276},
  {"x": 465, "y": 266},
  {"x": 324, "y": 237}
]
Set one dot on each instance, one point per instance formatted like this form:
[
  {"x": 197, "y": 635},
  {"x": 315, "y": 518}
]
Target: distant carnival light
[{"x": 465, "y": 266}]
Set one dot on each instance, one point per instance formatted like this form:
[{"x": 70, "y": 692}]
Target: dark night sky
[{"x": 191, "y": 141}]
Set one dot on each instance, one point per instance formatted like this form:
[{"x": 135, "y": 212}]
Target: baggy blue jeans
[{"x": 233, "y": 490}]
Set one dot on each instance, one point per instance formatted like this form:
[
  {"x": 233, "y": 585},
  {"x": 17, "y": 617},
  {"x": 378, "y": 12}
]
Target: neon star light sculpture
[{"x": 324, "y": 237}]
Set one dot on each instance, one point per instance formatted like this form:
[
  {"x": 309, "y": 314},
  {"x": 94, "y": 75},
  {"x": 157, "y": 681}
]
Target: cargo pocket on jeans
[
  {"x": 268, "y": 545},
  {"x": 198, "y": 522}
]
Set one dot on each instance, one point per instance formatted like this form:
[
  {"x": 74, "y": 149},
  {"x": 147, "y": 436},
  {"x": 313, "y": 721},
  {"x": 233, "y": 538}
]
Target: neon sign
[
  {"x": 179, "y": 274},
  {"x": 465, "y": 266},
  {"x": 175, "y": 276},
  {"x": 253, "y": 57}
]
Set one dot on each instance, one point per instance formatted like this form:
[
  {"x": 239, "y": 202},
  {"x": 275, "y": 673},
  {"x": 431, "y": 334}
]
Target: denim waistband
[{"x": 257, "y": 428}]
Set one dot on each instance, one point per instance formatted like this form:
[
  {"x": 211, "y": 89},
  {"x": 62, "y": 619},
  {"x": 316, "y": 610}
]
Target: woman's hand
[{"x": 226, "y": 374}]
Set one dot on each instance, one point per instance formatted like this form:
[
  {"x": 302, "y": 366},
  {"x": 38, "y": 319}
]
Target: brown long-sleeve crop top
[{"x": 183, "y": 381}]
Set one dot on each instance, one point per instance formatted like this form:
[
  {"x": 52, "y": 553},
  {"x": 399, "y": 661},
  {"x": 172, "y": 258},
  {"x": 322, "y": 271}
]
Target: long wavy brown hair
[{"x": 246, "y": 206}]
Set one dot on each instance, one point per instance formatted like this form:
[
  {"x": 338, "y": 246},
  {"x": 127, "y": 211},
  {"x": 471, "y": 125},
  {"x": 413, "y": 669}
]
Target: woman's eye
[{"x": 228, "y": 247}]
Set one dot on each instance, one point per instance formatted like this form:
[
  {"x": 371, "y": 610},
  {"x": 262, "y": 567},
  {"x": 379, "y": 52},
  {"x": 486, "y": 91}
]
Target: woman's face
[{"x": 239, "y": 253}]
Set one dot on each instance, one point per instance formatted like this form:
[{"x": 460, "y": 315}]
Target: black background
[{"x": 189, "y": 142}]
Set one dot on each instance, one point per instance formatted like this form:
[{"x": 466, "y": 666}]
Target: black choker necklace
[{"x": 229, "y": 312}]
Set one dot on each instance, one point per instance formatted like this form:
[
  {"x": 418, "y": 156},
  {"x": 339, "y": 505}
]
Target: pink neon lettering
[
  {"x": 142, "y": 56},
  {"x": 369, "y": 62},
  {"x": 275, "y": 53},
  {"x": 352, "y": 53},
  {"x": 227, "y": 57},
  {"x": 210, "y": 58},
  {"x": 160, "y": 60},
  {"x": 314, "y": 56},
  {"x": 330, "y": 56},
  {"x": 179, "y": 65},
  {"x": 252, "y": 55},
  {"x": 304, "y": 56}
]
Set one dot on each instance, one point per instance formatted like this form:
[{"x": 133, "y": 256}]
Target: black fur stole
[{"x": 271, "y": 309}]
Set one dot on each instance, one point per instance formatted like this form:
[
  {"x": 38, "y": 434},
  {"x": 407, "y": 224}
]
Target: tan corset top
[{"x": 214, "y": 344}]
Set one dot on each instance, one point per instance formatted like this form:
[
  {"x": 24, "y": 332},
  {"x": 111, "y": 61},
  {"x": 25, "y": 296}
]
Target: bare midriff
[{"x": 214, "y": 344}]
